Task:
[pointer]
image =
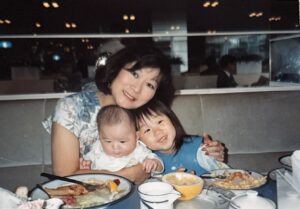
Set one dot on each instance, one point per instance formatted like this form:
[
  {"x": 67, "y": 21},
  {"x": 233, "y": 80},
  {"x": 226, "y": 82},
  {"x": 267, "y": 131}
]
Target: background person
[{"x": 227, "y": 69}]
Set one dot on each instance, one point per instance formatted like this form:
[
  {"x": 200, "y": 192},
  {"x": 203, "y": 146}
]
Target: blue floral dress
[{"x": 77, "y": 113}]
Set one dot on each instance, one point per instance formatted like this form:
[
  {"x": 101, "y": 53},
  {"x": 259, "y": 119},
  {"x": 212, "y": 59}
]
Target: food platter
[
  {"x": 286, "y": 161},
  {"x": 92, "y": 199},
  {"x": 208, "y": 199},
  {"x": 235, "y": 179}
]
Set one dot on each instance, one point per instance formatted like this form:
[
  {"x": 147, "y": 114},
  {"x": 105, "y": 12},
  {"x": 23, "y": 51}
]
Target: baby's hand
[
  {"x": 85, "y": 164},
  {"x": 150, "y": 165}
]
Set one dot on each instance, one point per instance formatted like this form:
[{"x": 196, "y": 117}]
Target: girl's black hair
[
  {"x": 157, "y": 107},
  {"x": 144, "y": 56}
]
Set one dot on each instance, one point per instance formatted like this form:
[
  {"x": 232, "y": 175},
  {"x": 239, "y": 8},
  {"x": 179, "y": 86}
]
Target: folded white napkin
[
  {"x": 295, "y": 158},
  {"x": 9, "y": 200}
]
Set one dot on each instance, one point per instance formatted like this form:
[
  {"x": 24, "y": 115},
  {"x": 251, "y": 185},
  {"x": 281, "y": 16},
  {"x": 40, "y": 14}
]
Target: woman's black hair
[
  {"x": 144, "y": 56},
  {"x": 156, "y": 107}
]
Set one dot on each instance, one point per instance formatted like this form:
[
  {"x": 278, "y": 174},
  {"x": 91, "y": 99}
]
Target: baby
[{"x": 119, "y": 145}]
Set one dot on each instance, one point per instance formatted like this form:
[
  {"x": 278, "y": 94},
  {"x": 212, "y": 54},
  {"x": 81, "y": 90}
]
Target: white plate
[
  {"x": 125, "y": 186},
  {"x": 208, "y": 199},
  {"x": 286, "y": 161},
  {"x": 221, "y": 172}
]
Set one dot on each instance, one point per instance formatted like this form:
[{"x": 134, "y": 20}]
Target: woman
[{"x": 130, "y": 78}]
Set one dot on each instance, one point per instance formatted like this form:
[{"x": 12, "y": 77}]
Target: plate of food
[
  {"x": 110, "y": 189},
  {"x": 286, "y": 161},
  {"x": 234, "y": 179}
]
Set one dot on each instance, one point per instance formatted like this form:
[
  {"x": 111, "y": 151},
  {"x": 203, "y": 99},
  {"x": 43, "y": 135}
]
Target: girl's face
[
  {"x": 131, "y": 90},
  {"x": 118, "y": 140},
  {"x": 158, "y": 133}
]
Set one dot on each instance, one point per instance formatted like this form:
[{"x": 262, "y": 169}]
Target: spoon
[
  {"x": 89, "y": 187},
  {"x": 233, "y": 204}
]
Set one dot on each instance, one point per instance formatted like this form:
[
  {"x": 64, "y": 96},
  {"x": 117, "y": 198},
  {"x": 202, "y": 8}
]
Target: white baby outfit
[{"x": 102, "y": 161}]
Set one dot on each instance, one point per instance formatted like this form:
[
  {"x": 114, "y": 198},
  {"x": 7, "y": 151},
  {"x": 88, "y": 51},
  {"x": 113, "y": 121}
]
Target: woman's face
[
  {"x": 131, "y": 90},
  {"x": 158, "y": 133}
]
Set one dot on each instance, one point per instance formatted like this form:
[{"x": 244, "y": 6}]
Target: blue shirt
[{"x": 185, "y": 157}]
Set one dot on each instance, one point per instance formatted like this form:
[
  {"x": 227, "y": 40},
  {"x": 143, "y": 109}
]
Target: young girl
[{"x": 162, "y": 132}]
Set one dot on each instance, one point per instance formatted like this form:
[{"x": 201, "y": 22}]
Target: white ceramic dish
[
  {"x": 221, "y": 172},
  {"x": 251, "y": 199},
  {"x": 286, "y": 161},
  {"x": 125, "y": 187},
  {"x": 208, "y": 199},
  {"x": 272, "y": 173}
]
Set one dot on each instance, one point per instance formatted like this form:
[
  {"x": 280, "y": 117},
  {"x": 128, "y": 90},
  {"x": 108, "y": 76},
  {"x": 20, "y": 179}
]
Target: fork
[{"x": 89, "y": 187}]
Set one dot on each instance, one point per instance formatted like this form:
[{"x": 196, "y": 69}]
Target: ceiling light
[
  {"x": 7, "y": 21},
  {"x": 38, "y": 25},
  {"x": 125, "y": 17},
  {"x": 90, "y": 47},
  {"x": 46, "y": 4},
  {"x": 67, "y": 25},
  {"x": 252, "y": 14},
  {"x": 177, "y": 27},
  {"x": 278, "y": 18},
  {"x": 55, "y": 4},
  {"x": 206, "y": 4},
  {"x": 132, "y": 17},
  {"x": 259, "y": 14},
  {"x": 215, "y": 3},
  {"x": 172, "y": 27},
  {"x": 1, "y": 21},
  {"x": 73, "y": 25}
]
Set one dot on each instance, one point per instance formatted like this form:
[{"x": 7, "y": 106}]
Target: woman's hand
[{"x": 213, "y": 148}]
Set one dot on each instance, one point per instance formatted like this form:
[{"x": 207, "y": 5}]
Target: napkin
[
  {"x": 9, "y": 200},
  {"x": 53, "y": 203},
  {"x": 295, "y": 158}
]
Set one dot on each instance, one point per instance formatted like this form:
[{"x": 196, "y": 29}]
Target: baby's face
[{"x": 118, "y": 140}]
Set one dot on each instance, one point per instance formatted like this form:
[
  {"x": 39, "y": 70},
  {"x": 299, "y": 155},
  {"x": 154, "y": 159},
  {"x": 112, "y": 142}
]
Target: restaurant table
[
  {"x": 268, "y": 190},
  {"x": 287, "y": 196}
]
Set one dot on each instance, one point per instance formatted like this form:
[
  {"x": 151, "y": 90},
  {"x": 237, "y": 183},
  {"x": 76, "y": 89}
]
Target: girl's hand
[
  {"x": 85, "y": 164},
  {"x": 182, "y": 169},
  {"x": 213, "y": 148}
]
